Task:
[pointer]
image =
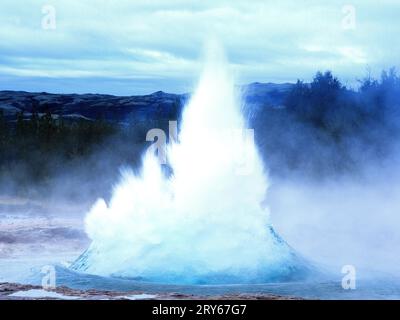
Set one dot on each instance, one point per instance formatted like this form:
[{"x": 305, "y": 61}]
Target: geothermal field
[
  {"x": 202, "y": 229},
  {"x": 199, "y": 151}
]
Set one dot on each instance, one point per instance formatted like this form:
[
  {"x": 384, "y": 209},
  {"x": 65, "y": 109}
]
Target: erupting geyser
[{"x": 205, "y": 223}]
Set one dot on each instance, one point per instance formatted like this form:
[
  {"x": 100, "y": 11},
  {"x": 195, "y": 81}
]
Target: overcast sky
[{"x": 134, "y": 47}]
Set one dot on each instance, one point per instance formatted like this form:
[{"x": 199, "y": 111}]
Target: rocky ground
[{"x": 13, "y": 291}]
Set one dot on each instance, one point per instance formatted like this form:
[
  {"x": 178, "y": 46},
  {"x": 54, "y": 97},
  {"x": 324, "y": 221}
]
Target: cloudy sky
[{"x": 134, "y": 47}]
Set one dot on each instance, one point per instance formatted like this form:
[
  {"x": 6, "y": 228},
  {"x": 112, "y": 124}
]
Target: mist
[
  {"x": 342, "y": 222},
  {"x": 194, "y": 227},
  {"x": 331, "y": 155}
]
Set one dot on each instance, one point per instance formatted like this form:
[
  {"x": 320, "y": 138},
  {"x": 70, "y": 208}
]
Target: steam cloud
[{"x": 204, "y": 224}]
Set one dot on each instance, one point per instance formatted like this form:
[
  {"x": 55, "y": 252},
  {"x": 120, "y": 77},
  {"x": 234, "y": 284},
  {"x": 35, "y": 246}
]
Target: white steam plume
[{"x": 205, "y": 224}]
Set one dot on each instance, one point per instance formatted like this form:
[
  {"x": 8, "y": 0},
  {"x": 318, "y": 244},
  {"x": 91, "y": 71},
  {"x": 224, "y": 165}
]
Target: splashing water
[{"x": 205, "y": 223}]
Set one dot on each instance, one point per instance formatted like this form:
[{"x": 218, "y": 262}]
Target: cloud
[{"x": 265, "y": 40}]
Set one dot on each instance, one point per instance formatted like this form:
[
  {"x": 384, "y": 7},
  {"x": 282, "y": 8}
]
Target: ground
[
  {"x": 13, "y": 291},
  {"x": 31, "y": 238}
]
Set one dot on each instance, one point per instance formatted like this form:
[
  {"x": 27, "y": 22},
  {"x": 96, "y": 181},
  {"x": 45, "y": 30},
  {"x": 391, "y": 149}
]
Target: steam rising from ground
[
  {"x": 205, "y": 224},
  {"x": 346, "y": 221}
]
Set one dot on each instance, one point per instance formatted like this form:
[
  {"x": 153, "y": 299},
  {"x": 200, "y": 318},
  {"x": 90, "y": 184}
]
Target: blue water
[{"x": 377, "y": 287}]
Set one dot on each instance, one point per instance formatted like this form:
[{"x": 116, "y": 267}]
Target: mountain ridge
[{"x": 92, "y": 106}]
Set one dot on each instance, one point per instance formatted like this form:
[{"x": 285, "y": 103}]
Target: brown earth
[{"x": 9, "y": 288}]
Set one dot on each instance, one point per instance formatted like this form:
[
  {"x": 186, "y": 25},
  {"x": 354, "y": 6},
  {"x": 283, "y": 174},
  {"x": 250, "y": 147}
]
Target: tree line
[{"x": 326, "y": 128}]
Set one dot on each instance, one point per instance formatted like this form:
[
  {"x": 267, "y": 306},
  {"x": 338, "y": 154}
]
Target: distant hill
[{"x": 124, "y": 109}]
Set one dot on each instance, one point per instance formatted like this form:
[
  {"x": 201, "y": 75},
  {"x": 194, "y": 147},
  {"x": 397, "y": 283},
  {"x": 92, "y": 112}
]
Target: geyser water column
[{"x": 205, "y": 223}]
